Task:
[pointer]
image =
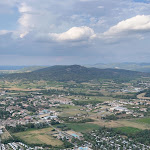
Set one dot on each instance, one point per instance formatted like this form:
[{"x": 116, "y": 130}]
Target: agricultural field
[
  {"x": 135, "y": 123},
  {"x": 82, "y": 127},
  {"x": 6, "y": 135},
  {"x": 127, "y": 130},
  {"x": 19, "y": 85},
  {"x": 41, "y": 136},
  {"x": 93, "y": 98},
  {"x": 143, "y": 120},
  {"x": 121, "y": 123},
  {"x": 68, "y": 110}
]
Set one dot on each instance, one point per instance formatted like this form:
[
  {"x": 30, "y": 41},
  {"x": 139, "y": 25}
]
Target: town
[{"x": 57, "y": 110}]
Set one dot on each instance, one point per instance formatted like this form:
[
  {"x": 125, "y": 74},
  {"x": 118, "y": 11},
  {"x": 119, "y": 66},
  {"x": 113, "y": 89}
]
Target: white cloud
[
  {"x": 42, "y": 28},
  {"x": 75, "y": 34},
  {"x": 100, "y": 7},
  {"x": 24, "y": 8},
  {"x": 134, "y": 25},
  {"x": 26, "y": 21},
  {"x": 2, "y": 32}
]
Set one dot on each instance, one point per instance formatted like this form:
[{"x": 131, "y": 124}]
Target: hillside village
[{"x": 47, "y": 110}]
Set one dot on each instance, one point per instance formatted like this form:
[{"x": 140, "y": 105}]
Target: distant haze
[{"x": 141, "y": 67}]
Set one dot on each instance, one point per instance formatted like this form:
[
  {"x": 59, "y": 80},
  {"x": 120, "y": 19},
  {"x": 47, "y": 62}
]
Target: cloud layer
[{"x": 74, "y": 31}]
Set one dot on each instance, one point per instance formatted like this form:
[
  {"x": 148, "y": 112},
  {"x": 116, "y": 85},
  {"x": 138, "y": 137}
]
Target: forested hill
[{"x": 77, "y": 73}]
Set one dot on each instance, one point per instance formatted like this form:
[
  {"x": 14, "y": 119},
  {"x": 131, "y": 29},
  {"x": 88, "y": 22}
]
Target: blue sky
[
  {"x": 142, "y": 1},
  {"x": 50, "y": 32}
]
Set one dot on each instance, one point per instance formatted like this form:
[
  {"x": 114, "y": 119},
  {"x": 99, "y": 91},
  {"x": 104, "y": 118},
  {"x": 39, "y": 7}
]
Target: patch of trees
[
  {"x": 110, "y": 117},
  {"x": 147, "y": 94},
  {"x": 125, "y": 96},
  {"x": 20, "y": 128},
  {"x": 67, "y": 144},
  {"x": 30, "y": 108},
  {"x": 54, "y": 122},
  {"x": 6, "y": 141},
  {"x": 63, "y": 127},
  {"x": 143, "y": 91},
  {"x": 77, "y": 141},
  {"x": 62, "y": 92},
  {"x": 83, "y": 103},
  {"x": 4, "y": 114},
  {"x": 78, "y": 120},
  {"x": 142, "y": 136},
  {"x": 147, "y": 113}
]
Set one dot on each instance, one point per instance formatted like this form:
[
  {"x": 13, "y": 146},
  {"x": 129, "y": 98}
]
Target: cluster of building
[
  {"x": 106, "y": 140},
  {"x": 18, "y": 145},
  {"x": 130, "y": 108},
  {"x": 23, "y": 110},
  {"x": 38, "y": 108}
]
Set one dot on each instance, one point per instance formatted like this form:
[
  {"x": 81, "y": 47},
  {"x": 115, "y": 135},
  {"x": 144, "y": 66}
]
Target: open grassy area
[
  {"x": 82, "y": 127},
  {"x": 122, "y": 123},
  {"x": 5, "y": 135},
  {"x": 41, "y": 136},
  {"x": 92, "y": 98},
  {"x": 68, "y": 110},
  {"x": 144, "y": 120},
  {"x": 20, "y": 85},
  {"x": 127, "y": 130},
  {"x": 135, "y": 123}
]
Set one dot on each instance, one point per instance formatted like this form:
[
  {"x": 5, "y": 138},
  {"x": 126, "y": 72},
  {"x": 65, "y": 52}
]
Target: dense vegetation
[
  {"x": 110, "y": 139},
  {"x": 142, "y": 136},
  {"x": 83, "y": 103},
  {"x": 77, "y": 73},
  {"x": 147, "y": 94},
  {"x": 20, "y": 128},
  {"x": 60, "y": 92},
  {"x": 4, "y": 114}
]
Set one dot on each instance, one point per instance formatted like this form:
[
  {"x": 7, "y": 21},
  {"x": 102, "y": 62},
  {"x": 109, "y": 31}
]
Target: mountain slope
[
  {"x": 77, "y": 73},
  {"x": 142, "y": 67}
]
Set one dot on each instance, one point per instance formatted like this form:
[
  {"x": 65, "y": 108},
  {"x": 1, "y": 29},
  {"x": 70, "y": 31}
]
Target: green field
[
  {"x": 22, "y": 85},
  {"x": 68, "y": 110},
  {"x": 127, "y": 130},
  {"x": 143, "y": 120},
  {"x": 82, "y": 127},
  {"x": 41, "y": 136},
  {"x": 92, "y": 98}
]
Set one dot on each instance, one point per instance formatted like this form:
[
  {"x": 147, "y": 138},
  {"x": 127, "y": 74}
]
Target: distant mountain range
[
  {"x": 11, "y": 67},
  {"x": 142, "y": 67},
  {"x": 76, "y": 73},
  {"x": 18, "y": 69}
]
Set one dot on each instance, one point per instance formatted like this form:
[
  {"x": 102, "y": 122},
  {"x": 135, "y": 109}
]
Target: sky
[{"x": 64, "y": 32}]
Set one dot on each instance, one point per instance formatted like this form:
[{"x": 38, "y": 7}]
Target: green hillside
[{"x": 77, "y": 73}]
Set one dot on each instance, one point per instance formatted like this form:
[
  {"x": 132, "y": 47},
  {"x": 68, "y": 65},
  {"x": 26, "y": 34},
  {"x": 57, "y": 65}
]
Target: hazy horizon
[{"x": 92, "y": 64}]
